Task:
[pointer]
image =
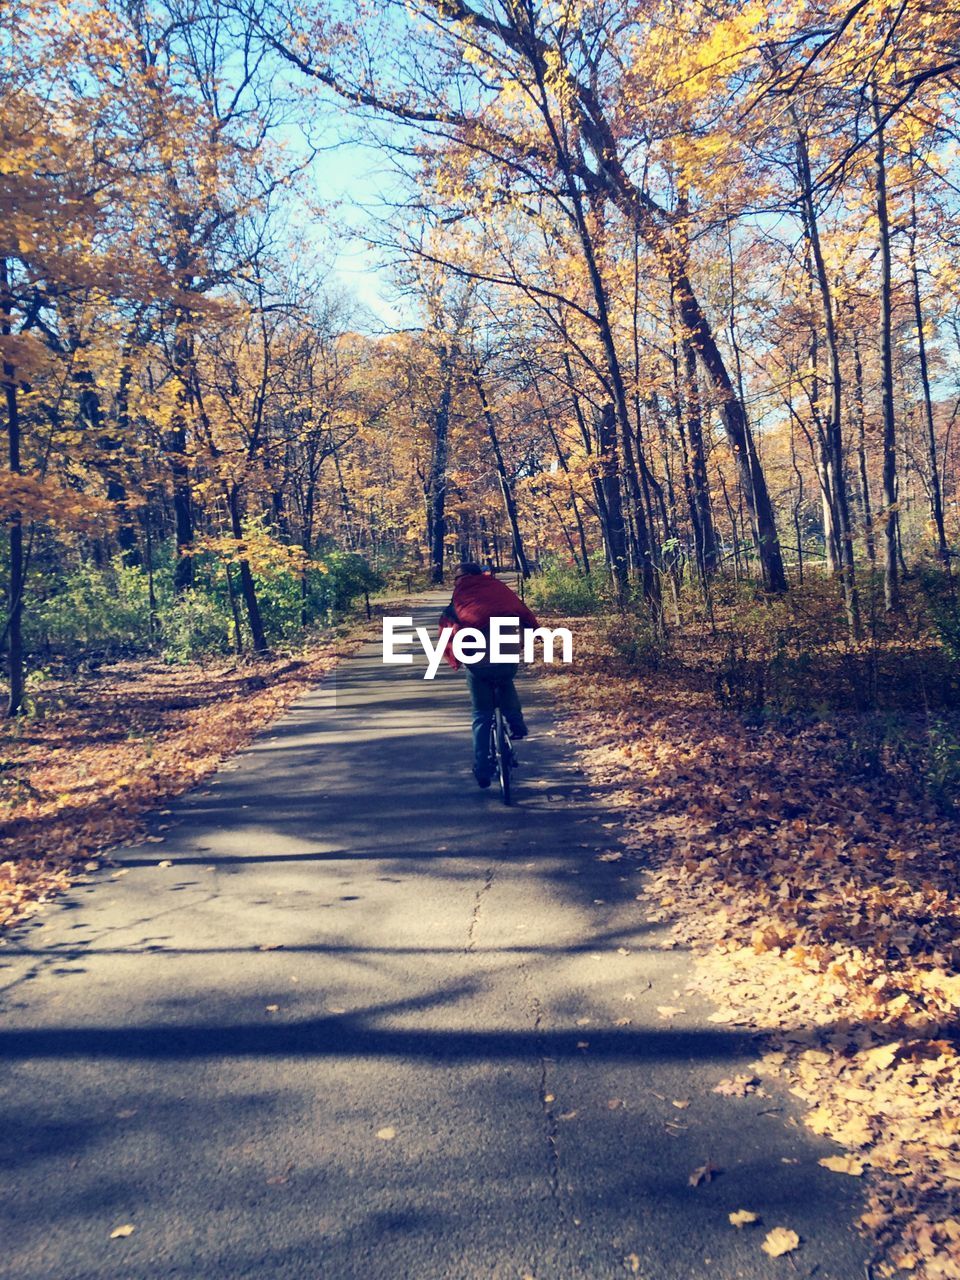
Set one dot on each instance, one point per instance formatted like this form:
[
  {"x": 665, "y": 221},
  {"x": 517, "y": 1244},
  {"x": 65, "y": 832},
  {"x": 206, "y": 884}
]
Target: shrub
[
  {"x": 942, "y": 598},
  {"x": 194, "y": 624},
  {"x": 103, "y": 610},
  {"x": 633, "y": 642},
  {"x": 566, "y": 591},
  {"x": 942, "y": 764},
  {"x": 344, "y": 579}
]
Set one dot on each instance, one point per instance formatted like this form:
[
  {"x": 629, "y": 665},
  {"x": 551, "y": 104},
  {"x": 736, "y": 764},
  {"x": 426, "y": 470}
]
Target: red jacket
[{"x": 476, "y": 599}]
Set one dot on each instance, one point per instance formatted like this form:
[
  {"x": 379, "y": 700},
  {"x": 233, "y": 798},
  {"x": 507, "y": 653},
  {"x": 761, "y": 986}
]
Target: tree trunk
[
  {"x": 862, "y": 454},
  {"x": 16, "y": 556},
  {"x": 175, "y": 446},
  {"x": 564, "y": 466},
  {"x": 608, "y": 487},
  {"x": 506, "y": 489},
  {"x": 346, "y": 508},
  {"x": 698, "y": 463},
  {"x": 437, "y": 488},
  {"x": 891, "y": 577},
  {"x": 248, "y": 587},
  {"x": 127, "y": 531},
  {"x": 832, "y": 459},
  {"x": 753, "y": 481},
  {"x": 935, "y": 491},
  {"x": 234, "y": 612}
]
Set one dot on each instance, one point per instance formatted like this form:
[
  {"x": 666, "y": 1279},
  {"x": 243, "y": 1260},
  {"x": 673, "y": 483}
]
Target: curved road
[{"x": 372, "y": 1025}]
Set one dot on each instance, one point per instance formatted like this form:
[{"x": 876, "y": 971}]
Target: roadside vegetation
[{"x": 792, "y": 797}]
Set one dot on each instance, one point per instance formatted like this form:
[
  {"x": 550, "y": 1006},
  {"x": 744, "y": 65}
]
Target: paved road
[{"x": 354, "y": 942}]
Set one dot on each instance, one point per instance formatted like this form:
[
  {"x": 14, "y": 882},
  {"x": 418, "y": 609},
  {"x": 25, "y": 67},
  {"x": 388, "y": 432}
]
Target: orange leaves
[
  {"x": 75, "y": 790},
  {"x": 50, "y": 503},
  {"x": 822, "y": 904},
  {"x": 265, "y": 555}
]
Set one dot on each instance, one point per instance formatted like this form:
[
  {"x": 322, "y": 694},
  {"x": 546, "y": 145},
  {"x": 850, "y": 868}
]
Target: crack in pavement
[
  {"x": 477, "y": 905},
  {"x": 551, "y": 1129}
]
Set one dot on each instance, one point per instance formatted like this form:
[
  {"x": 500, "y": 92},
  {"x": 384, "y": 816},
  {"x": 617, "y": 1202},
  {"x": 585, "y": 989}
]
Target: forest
[
  {"x": 679, "y": 290},
  {"x": 669, "y": 327}
]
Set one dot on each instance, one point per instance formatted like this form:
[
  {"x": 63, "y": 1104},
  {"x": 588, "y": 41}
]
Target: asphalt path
[{"x": 373, "y": 1025}]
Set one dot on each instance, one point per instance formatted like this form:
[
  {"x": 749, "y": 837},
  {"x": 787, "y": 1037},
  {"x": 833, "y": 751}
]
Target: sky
[{"x": 356, "y": 181}]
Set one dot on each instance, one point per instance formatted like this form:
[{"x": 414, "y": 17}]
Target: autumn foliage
[{"x": 673, "y": 330}]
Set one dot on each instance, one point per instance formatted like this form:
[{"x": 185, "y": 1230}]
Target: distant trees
[{"x": 682, "y": 287}]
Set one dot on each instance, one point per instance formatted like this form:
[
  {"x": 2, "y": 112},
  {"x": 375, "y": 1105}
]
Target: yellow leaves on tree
[{"x": 49, "y": 503}]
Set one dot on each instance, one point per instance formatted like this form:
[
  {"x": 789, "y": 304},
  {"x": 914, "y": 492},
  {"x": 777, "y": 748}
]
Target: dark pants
[{"x": 490, "y": 682}]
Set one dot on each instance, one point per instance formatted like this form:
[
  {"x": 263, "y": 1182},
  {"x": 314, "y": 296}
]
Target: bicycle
[{"x": 501, "y": 751}]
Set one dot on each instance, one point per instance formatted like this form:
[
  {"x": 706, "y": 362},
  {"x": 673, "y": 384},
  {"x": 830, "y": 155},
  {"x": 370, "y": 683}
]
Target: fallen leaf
[
  {"x": 743, "y": 1218},
  {"x": 119, "y": 1233},
  {"x": 166, "y": 863},
  {"x": 681, "y": 1103},
  {"x": 843, "y": 1164},
  {"x": 738, "y": 1087},
  {"x": 387, "y": 1134},
  {"x": 780, "y": 1241},
  {"x": 882, "y": 1057},
  {"x": 669, "y": 1010},
  {"x": 273, "y": 1008},
  {"x": 700, "y": 1177}
]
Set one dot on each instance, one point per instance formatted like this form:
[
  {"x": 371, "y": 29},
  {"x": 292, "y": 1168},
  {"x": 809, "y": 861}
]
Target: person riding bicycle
[{"x": 477, "y": 598}]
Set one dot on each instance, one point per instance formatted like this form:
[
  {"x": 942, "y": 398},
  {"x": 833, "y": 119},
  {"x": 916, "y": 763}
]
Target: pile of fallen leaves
[
  {"x": 823, "y": 908},
  {"x": 78, "y": 777}
]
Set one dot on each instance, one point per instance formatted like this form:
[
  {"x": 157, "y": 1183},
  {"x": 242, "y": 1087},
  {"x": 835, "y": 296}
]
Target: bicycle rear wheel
[{"x": 503, "y": 755}]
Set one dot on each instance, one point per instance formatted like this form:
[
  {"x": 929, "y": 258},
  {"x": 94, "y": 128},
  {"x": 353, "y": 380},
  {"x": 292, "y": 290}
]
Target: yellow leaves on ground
[
  {"x": 844, "y": 1164},
  {"x": 880, "y": 1058},
  {"x": 821, "y": 906},
  {"x": 387, "y": 1133},
  {"x": 74, "y": 790},
  {"x": 738, "y": 1087},
  {"x": 121, "y": 1233},
  {"x": 743, "y": 1218},
  {"x": 780, "y": 1241}
]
